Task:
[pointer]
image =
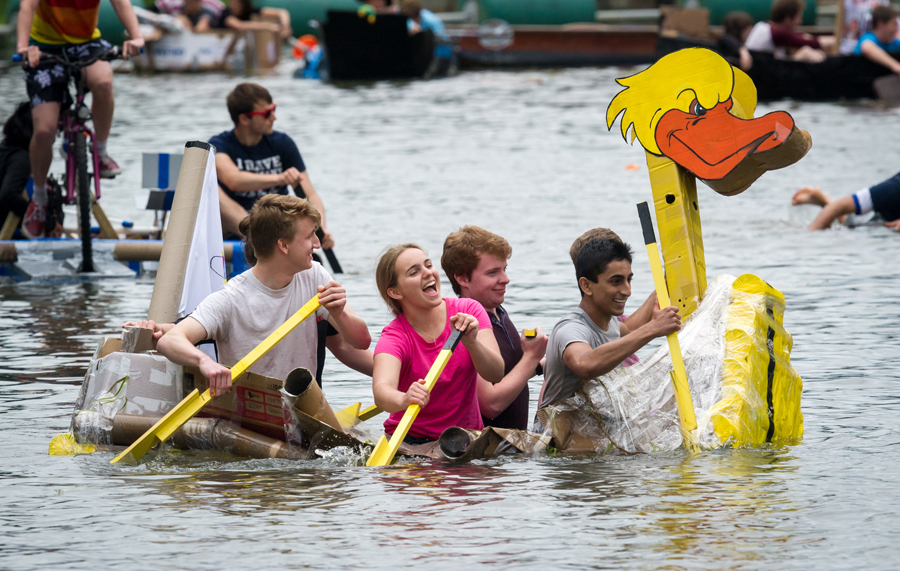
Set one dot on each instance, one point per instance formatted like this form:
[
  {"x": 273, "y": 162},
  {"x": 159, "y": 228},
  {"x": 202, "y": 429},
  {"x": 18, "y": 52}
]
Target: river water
[{"x": 528, "y": 156}]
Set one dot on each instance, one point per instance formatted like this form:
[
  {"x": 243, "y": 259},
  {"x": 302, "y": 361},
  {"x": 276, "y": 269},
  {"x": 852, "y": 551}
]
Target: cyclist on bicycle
[{"x": 66, "y": 27}]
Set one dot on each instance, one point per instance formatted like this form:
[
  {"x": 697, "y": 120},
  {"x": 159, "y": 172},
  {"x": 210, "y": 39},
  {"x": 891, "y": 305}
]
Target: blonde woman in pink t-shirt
[{"x": 411, "y": 286}]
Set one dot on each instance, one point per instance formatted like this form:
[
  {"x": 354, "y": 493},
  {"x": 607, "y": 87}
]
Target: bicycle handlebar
[{"x": 111, "y": 54}]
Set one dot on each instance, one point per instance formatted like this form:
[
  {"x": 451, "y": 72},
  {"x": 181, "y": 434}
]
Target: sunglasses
[{"x": 266, "y": 113}]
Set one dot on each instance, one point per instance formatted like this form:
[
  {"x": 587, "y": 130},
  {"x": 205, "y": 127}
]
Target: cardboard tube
[
  {"x": 207, "y": 434},
  {"x": 310, "y": 400},
  {"x": 173, "y": 259},
  {"x": 145, "y": 251}
]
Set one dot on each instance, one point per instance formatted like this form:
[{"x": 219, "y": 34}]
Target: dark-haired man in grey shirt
[{"x": 589, "y": 341}]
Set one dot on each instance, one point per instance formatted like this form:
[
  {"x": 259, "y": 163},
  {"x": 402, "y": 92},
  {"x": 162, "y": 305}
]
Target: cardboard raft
[{"x": 736, "y": 352}]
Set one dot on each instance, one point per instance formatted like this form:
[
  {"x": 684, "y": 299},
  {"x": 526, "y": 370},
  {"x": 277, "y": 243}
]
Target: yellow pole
[{"x": 679, "y": 374}]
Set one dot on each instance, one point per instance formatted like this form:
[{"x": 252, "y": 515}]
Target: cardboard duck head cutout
[{"x": 695, "y": 108}]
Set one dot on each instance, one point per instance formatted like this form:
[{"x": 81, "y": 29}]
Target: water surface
[{"x": 526, "y": 155}]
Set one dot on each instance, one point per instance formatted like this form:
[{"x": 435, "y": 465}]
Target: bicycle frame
[{"x": 73, "y": 119}]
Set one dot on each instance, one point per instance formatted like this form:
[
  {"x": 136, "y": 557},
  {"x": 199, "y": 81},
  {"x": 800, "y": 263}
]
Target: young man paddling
[
  {"x": 644, "y": 313},
  {"x": 253, "y": 160},
  {"x": 589, "y": 341},
  {"x": 475, "y": 262},
  {"x": 282, "y": 232}
]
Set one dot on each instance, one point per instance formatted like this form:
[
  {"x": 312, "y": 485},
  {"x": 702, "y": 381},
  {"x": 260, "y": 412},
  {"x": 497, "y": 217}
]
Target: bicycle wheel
[{"x": 83, "y": 182}]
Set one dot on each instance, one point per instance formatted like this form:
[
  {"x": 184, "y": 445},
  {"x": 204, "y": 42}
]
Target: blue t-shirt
[
  {"x": 274, "y": 154},
  {"x": 428, "y": 20},
  {"x": 894, "y": 46}
]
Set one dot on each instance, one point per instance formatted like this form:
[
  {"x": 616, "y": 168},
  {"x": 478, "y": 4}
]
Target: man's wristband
[{"x": 539, "y": 370}]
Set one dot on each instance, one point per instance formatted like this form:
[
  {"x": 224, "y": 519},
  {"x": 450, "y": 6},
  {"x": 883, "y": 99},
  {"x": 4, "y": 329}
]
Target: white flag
[{"x": 205, "y": 270}]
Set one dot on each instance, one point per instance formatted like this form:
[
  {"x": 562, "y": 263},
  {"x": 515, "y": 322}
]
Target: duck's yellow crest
[{"x": 676, "y": 81}]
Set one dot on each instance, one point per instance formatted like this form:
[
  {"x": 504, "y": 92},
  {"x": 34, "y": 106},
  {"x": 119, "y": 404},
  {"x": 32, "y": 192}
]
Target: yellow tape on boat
[
  {"x": 760, "y": 389},
  {"x": 194, "y": 402}
]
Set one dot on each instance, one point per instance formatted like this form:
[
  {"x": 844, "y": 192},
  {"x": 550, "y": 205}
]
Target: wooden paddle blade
[
  {"x": 348, "y": 417},
  {"x": 352, "y": 415},
  {"x": 385, "y": 450},
  {"x": 369, "y": 412},
  {"x": 379, "y": 453},
  {"x": 167, "y": 425}
]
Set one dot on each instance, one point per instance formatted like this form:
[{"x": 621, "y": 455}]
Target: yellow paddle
[
  {"x": 352, "y": 415},
  {"x": 384, "y": 451},
  {"x": 679, "y": 375},
  {"x": 191, "y": 405}
]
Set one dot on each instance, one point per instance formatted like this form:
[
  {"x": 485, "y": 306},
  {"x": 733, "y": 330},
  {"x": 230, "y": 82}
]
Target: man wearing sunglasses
[{"x": 253, "y": 160}]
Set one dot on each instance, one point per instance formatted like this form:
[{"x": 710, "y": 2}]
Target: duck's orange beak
[{"x": 712, "y": 144}]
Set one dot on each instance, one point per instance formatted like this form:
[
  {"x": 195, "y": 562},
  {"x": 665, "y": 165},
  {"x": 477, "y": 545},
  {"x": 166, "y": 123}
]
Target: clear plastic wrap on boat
[
  {"x": 737, "y": 357},
  {"x": 127, "y": 383}
]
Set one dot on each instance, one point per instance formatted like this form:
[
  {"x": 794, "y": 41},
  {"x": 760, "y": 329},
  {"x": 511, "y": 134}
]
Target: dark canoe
[
  {"x": 842, "y": 77},
  {"x": 571, "y": 45},
  {"x": 358, "y": 50}
]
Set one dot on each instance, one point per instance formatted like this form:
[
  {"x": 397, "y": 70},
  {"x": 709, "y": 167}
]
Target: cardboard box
[
  {"x": 689, "y": 22},
  {"x": 254, "y": 402}
]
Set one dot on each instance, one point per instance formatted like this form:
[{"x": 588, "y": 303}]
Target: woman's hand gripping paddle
[
  {"x": 679, "y": 375},
  {"x": 384, "y": 451},
  {"x": 194, "y": 402}
]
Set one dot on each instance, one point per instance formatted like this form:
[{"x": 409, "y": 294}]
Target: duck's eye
[{"x": 697, "y": 109}]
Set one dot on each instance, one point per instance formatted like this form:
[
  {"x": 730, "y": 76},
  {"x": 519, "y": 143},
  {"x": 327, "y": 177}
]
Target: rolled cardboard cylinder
[
  {"x": 145, "y": 251},
  {"x": 173, "y": 259},
  {"x": 207, "y": 434},
  {"x": 310, "y": 400},
  {"x": 457, "y": 444}
]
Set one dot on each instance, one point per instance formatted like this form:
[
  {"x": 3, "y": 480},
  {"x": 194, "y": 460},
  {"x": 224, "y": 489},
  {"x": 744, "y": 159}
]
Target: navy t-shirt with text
[{"x": 274, "y": 154}]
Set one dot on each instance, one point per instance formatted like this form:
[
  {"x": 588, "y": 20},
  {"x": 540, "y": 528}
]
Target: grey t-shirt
[
  {"x": 560, "y": 382},
  {"x": 244, "y": 312}
]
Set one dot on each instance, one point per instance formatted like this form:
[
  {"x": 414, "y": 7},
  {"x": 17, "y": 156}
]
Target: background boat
[
  {"x": 357, "y": 49},
  {"x": 838, "y": 77}
]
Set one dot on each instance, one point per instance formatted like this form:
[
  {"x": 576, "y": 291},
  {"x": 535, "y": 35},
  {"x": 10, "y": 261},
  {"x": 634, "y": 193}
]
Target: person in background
[
  {"x": 377, "y": 7},
  {"x": 780, "y": 36},
  {"x": 66, "y": 27},
  {"x": 196, "y": 17},
  {"x": 419, "y": 20},
  {"x": 474, "y": 261},
  {"x": 175, "y": 7},
  {"x": 730, "y": 44},
  {"x": 877, "y": 44},
  {"x": 883, "y": 199},
  {"x": 410, "y": 285},
  {"x": 238, "y": 16},
  {"x": 588, "y": 342},
  {"x": 15, "y": 166},
  {"x": 253, "y": 160},
  {"x": 856, "y": 22}
]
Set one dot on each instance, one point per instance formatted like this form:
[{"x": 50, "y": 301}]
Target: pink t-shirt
[{"x": 454, "y": 399}]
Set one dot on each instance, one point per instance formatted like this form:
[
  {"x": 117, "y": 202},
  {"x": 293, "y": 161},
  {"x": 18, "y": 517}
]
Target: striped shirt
[{"x": 58, "y": 22}]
